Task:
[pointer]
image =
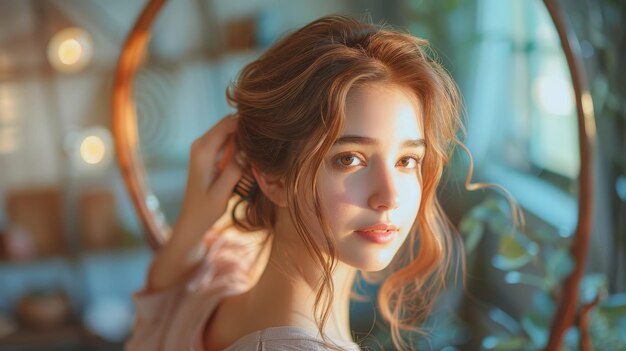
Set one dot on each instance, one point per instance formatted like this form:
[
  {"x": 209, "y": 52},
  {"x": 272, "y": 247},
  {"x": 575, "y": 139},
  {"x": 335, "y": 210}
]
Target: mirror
[
  {"x": 522, "y": 128},
  {"x": 512, "y": 71},
  {"x": 530, "y": 120}
]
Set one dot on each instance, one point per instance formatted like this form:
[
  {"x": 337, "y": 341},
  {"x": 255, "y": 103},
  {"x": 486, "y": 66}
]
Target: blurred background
[{"x": 72, "y": 249}]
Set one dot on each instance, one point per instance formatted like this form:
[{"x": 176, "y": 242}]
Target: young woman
[{"x": 345, "y": 128}]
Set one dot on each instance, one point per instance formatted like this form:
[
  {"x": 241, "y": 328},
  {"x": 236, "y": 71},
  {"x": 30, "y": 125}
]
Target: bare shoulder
[{"x": 225, "y": 326}]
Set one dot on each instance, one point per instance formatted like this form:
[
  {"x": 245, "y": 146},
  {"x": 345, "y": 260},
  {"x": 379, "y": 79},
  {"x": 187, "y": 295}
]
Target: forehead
[{"x": 382, "y": 107}]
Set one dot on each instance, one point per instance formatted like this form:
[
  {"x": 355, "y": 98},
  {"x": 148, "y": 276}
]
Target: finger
[
  {"x": 227, "y": 153},
  {"x": 223, "y": 186},
  {"x": 208, "y": 149},
  {"x": 217, "y": 135}
]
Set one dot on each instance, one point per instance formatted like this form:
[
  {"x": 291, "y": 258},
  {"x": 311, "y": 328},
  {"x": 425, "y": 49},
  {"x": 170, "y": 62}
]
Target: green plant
[{"x": 539, "y": 258}]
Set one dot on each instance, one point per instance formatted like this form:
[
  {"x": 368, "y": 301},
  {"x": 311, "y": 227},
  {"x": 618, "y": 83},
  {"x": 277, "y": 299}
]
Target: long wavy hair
[{"x": 291, "y": 104}]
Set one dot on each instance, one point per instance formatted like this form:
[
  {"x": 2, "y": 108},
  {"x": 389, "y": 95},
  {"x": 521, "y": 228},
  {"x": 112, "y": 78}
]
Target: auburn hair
[{"x": 291, "y": 105}]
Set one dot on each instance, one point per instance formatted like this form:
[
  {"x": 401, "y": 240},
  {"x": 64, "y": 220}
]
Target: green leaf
[
  {"x": 543, "y": 303},
  {"x": 572, "y": 337},
  {"x": 503, "y": 343},
  {"x": 473, "y": 231},
  {"x": 484, "y": 213},
  {"x": 559, "y": 264},
  {"x": 620, "y": 329},
  {"x": 536, "y": 327},
  {"x": 515, "y": 277},
  {"x": 544, "y": 236},
  {"x": 504, "y": 320},
  {"x": 511, "y": 254},
  {"x": 591, "y": 286},
  {"x": 489, "y": 206},
  {"x": 614, "y": 307},
  {"x": 501, "y": 226}
]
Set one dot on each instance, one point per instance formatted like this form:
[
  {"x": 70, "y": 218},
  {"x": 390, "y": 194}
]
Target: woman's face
[{"x": 371, "y": 176}]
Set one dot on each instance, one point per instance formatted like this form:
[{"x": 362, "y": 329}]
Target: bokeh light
[
  {"x": 92, "y": 149},
  {"x": 70, "y": 50},
  {"x": 553, "y": 94}
]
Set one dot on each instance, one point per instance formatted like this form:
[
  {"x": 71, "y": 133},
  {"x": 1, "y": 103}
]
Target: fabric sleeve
[{"x": 226, "y": 265}]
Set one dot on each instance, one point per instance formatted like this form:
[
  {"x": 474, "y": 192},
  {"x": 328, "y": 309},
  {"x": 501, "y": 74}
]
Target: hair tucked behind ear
[{"x": 291, "y": 107}]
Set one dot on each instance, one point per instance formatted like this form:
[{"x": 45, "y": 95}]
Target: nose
[{"x": 384, "y": 195}]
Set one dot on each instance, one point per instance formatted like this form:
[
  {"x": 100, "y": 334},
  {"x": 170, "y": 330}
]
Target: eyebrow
[{"x": 361, "y": 140}]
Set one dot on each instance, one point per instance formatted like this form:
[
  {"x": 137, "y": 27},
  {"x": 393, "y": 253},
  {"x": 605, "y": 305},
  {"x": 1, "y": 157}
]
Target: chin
[
  {"x": 369, "y": 261},
  {"x": 374, "y": 267},
  {"x": 369, "y": 257}
]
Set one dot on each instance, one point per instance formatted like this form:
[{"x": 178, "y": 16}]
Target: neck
[{"x": 288, "y": 288}]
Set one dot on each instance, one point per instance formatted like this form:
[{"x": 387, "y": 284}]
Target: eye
[
  {"x": 348, "y": 160},
  {"x": 409, "y": 162}
]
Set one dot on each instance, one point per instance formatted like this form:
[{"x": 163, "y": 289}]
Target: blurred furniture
[
  {"x": 98, "y": 220},
  {"x": 38, "y": 214}
]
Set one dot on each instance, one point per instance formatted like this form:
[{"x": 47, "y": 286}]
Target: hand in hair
[{"x": 213, "y": 172}]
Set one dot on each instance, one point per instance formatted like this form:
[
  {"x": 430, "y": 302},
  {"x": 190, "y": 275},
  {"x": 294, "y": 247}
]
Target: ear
[{"x": 272, "y": 186}]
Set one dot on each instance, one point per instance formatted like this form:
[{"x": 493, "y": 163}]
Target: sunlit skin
[{"x": 371, "y": 175}]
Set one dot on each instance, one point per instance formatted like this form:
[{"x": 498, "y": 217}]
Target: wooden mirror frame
[
  {"x": 157, "y": 230},
  {"x": 124, "y": 125}
]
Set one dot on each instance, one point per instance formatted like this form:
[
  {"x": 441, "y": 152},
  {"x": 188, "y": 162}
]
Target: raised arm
[{"x": 207, "y": 193}]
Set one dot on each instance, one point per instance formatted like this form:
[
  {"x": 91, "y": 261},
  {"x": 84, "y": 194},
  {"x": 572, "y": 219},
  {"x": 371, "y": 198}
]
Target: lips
[
  {"x": 380, "y": 227},
  {"x": 380, "y": 233}
]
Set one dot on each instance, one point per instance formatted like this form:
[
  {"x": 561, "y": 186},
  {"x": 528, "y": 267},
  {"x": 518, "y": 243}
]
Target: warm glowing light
[
  {"x": 70, "y": 50},
  {"x": 554, "y": 94},
  {"x": 92, "y": 150}
]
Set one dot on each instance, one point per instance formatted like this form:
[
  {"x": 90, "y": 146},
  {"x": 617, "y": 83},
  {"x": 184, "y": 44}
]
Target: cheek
[
  {"x": 410, "y": 196},
  {"x": 337, "y": 201},
  {"x": 340, "y": 197}
]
